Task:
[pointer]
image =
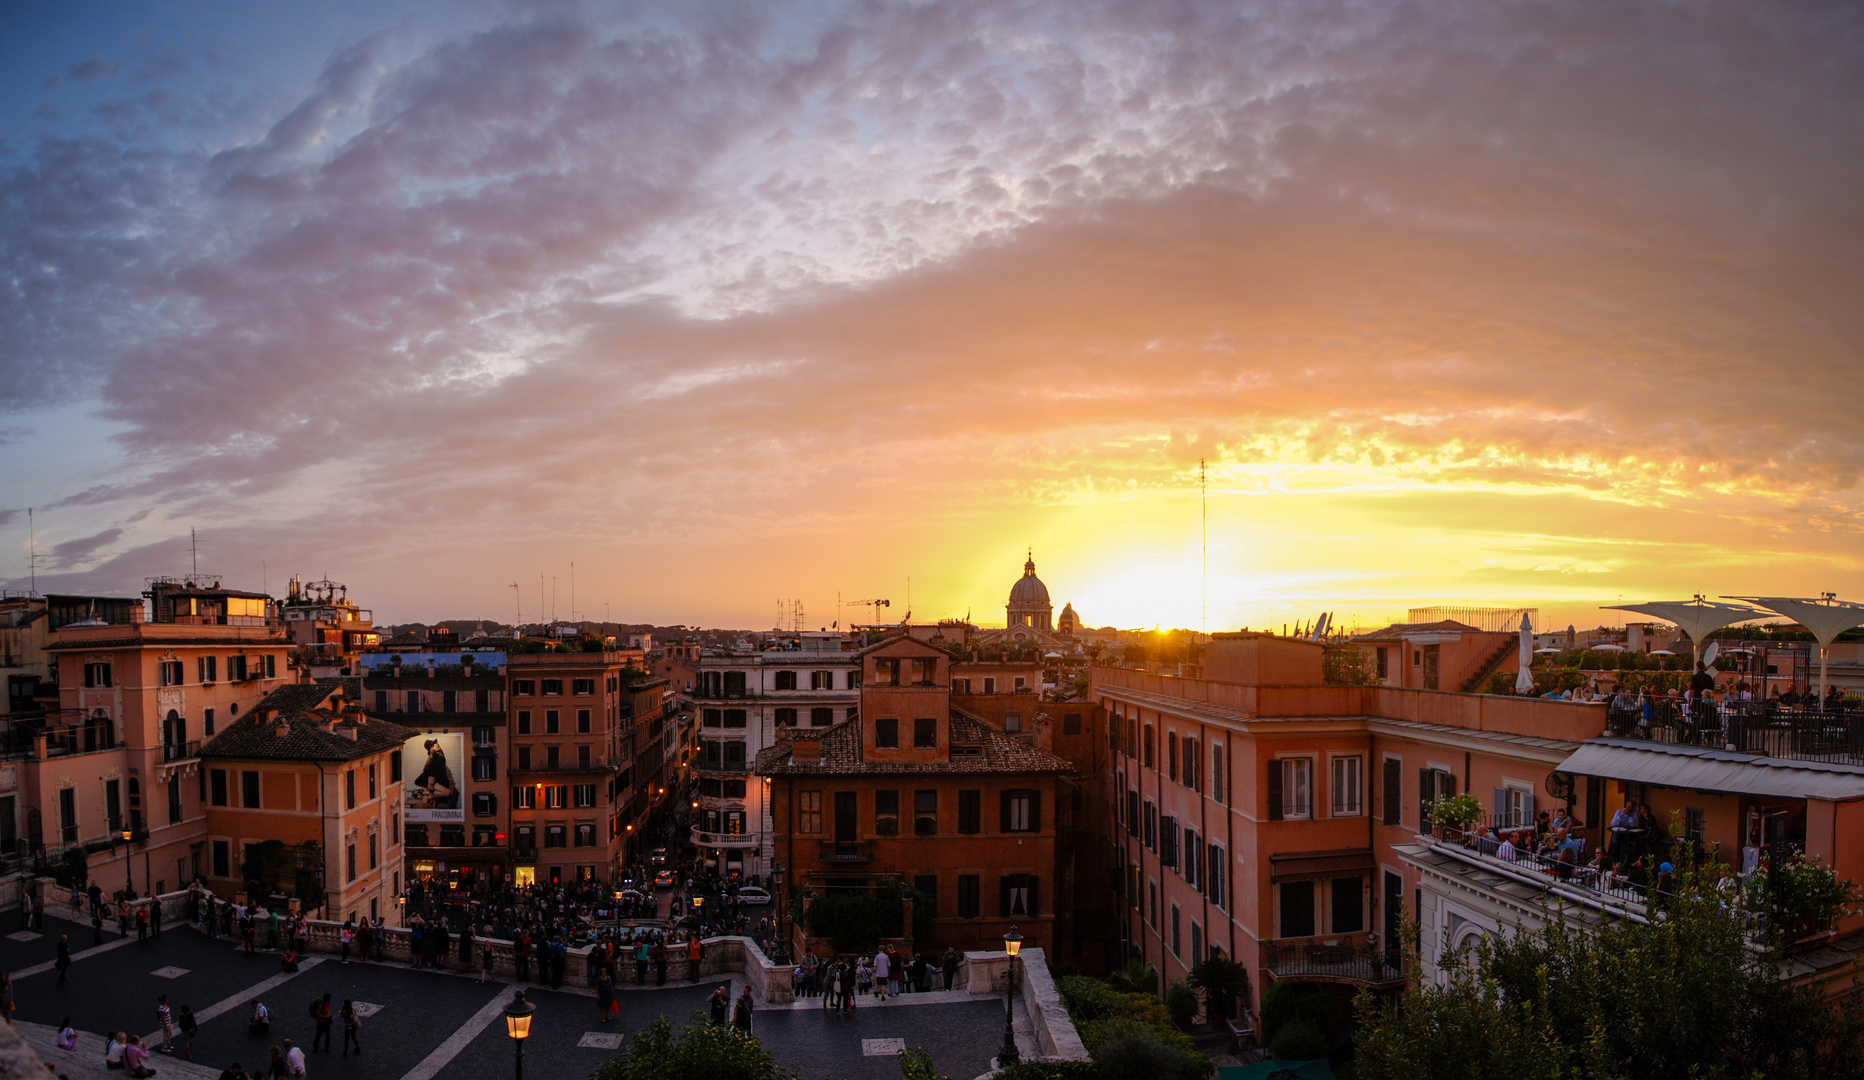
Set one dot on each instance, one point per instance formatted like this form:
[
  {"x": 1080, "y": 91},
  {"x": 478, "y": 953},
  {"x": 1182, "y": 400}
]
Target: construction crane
[{"x": 875, "y": 604}]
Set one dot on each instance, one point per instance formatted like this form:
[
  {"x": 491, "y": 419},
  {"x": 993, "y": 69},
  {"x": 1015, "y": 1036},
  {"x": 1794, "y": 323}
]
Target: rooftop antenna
[
  {"x": 32, "y": 559},
  {"x": 1203, "y": 496},
  {"x": 194, "y": 551},
  {"x": 518, "y": 599},
  {"x": 572, "y": 590},
  {"x": 540, "y": 597},
  {"x": 553, "y": 598}
]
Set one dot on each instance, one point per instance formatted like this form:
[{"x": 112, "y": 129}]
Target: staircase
[{"x": 1479, "y": 670}]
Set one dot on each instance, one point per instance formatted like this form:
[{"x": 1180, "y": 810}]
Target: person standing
[
  {"x": 559, "y": 961},
  {"x": 320, "y": 1012},
  {"x": 521, "y": 955},
  {"x": 720, "y": 1001},
  {"x": 167, "y": 1020},
  {"x": 741, "y": 1013},
  {"x": 344, "y": 936},
  {"x": 25, "y": 908},
  {"x": 294, "y": 1060},
  {"x": 278, "y": 1070},
  {"x": 640, "y": 963},
  {"x": 63, "y": 963},
  {"x": 881, "y": 959},
  {"x": 155, "y": 917},
  {"x": 485, "y": 960},
  {"x": 660, "y": 964},
  {"x": 7, "y": 1003},
  {"x": 97, "y": 925},
  {"x": 604, "y": 996},
  {"x": 189, "y": 1026},
  {"x": 950, "y": 965},
  {"x": 352, "y": 1020}
]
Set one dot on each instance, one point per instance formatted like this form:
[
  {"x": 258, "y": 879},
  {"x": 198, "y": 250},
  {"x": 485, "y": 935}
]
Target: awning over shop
[
  {"x": 1695, "y": 769},
  {"x": 1299, "y": 865}
]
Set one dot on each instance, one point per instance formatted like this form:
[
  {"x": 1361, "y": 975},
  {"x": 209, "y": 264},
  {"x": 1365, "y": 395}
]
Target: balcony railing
[
  {"x": 847, "y": 851},
  {"x": 596, "y": 764},
  {"x": 733, "y": 767},
  {"x": 712, "y": 693},
  {"x": 181, "y": 751},
  {"x": 722, "y": 840},
  {"x": 1801, "y": 732},
  {"x": 1331, "y": 960}
]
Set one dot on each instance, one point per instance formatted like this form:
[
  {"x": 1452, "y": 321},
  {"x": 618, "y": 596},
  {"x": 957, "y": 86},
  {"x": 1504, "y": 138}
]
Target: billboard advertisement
[{"x": 430, "y": 765}]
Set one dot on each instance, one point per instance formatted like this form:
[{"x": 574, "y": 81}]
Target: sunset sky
[{"x": 1464, "y": 303}]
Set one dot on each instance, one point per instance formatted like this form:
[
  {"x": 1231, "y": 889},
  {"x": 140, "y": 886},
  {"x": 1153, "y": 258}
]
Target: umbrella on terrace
[
  {"x": 1826, "y": 617},
  {"x": 1524, "y": 679}
]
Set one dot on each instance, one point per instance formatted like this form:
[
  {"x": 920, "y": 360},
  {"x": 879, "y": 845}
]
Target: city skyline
[{"x": 1456, "y": 304}]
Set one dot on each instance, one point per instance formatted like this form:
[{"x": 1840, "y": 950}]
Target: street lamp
[
  {"x": 518, "y": 1026},
  {"x": 129, "y": 868},
  {"x": 1007, "y": 1055},
  {"x": 776, "y": 880}
]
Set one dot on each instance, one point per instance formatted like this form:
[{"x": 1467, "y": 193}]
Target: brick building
[
  {"x": 304, "y": 798},
  {"x": 918, "y": 790}
]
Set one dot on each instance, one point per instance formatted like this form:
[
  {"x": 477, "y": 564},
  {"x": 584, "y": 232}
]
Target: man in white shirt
[
  {"x": 1507, "y": 849},
  {"x": 880, "y": 974},
  {"x": 294, "y": 1060}
]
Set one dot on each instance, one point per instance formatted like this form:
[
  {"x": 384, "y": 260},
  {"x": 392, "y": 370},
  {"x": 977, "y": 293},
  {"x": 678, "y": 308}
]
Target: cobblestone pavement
[{"x": 427, "y": 1025}]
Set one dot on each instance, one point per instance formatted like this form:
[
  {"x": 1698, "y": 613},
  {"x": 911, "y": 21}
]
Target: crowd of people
[
  {"x": 1634, "y": 862},
  {"x": 841, "y": 980}
]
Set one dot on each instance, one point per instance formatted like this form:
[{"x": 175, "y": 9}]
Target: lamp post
[
  {"x": 1006, "y": 1054},
  {"x": 776, "y": 881},
  {"x": 129, "y": 868},
  {"x": 518, "y": 1026}
]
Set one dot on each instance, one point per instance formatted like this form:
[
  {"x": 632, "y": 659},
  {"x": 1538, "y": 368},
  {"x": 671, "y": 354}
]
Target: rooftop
[
  {"x": 305, "y": 722},
  {"x": 841, "y": 754}
]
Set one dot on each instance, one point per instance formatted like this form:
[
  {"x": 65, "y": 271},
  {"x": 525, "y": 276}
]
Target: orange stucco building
[{"x": 309, "y": 771}]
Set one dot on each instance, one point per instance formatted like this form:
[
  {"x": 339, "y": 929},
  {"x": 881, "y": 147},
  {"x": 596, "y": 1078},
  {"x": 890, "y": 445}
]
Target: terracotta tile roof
[
  {"x": 841, "y": 754},
  {"x": 308, "y": 713}
]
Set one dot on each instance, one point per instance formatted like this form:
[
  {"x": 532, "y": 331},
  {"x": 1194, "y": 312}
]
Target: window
[
  {"x": 372, "y": 855},
  {"x": 809, "y": 812},
  {"x": 485, "y": 836},
  {"x": 1168, "y": 840},
  {"x": 990, "y": 686},
  {"x": 551, "y": 721},
  {"x": 585, "y": 795},
  {"x": 970, "y": 811},
  {"x": 1348, "y": 786},
  {"x": 1152, "y": 904},
  {"x": 925, "y": 670},
  {"x": 823, "y": 716},
  {"x": 1216, "y": 775},
  {"x": 1013, "y": 722},
  {"x": 1391, "y": 784},
  {"x": 170, "y": 672},
  {"x": 1132, "y": 812},
  {"x": 553, "y": 687},
  {"x": 925, "y": 733},
  {"x": 484, "y": 767},
  {"x": 484, "y": 804},
  {"x": 968, "y": 907},
  {"x": 1214, "y": 876},
  {"x": 1348, "y": 905},
  {"x": 1148, "y": 746},
  {"x": 734, "y": 754},
  {"x": 582, "y": 721},
  {"x": 1193, "y": 859},
  {"x": 585, "y": 834},
  {"x": 217, "y": 785},
  {"x": 524, "y": 757},
  {"x": 582, "y": 687},
  {"x": 174, "y": 800},
  {"x": 249, "y": 790},
  {"x": 1021, "y": 684},
  {"x": 1173, "y": 941},
  {"x": 582, "y": 757},
  {"x": 556, "y": 836},
  {"x": 961, "y": 686},
  {"x": 1297, "y": 909},
  {"x": 925, "y": 813},
  {"x": 350, "y": 851},
  {"x": 524, "y": 798},
  {"x": 1290, "y": 785},
  {"x": 1022, "y": 811},
  {"x": 1432, "y": 784},
  {"x": 1384, "y": 662},
  {"x": 786, "y": 680},
  {"x": 523, "y": 687},
  {"x": 1514, "y": 807},
  {"x": 711, "y": 718},
  {"x": 887, "y": 733},
  {"x": 1071, "y": 723},
  {"x": 1171, "y": 756},
  {"x": 786, "y": 717},
  {"x": 236, "y": 668},
  {"x": 734, "y": 823},
  {"x": 1151, "y": 838},
  {"x": 372, "y": 781},
  {"x": 1692, "y": 824},
  {"x": 886, "y": 813},
  {"x": 1019, "y": 894},
  {"x": 97, "y": 675},
  {"x": 821, "y": 680},
  {"x": 223, "y": 862},
  {"x": 1191, "y": 761},
  {"x": 524, "y": 721},
  {"x": 207, "y": 720},
  {"x": 734, "y": 718},
  {"x": 206, "y": 667}
]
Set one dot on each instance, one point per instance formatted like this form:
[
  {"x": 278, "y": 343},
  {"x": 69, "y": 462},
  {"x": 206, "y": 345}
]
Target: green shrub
[
  {"x": 1051, "y": 1070},
  {"x": 1180, "y": 1003},
  {"x": 916, "y": 1064},
  {"x": 700, "y": 1051},
  {"x": 1146, "y": 1057},
  {"x": 1298, "y": 1040},
  {"x": 1089, "y": 999},
  {"x": 1284, "y": 1001}
]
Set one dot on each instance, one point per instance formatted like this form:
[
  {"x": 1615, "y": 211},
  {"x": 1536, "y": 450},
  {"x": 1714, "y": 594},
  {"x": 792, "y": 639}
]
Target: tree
[
  {"x": 1223, "y": 982},
  {"x": 1679, "y": 997},
  {"x": 700, "y": 1051},
  {"x": 1347, "y": 665}
]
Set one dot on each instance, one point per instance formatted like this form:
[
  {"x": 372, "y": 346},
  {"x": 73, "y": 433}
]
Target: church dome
[{"x": 1029, "y": 588}]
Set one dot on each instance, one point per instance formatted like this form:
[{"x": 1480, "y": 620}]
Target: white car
[{"x": 751, "y": 894}]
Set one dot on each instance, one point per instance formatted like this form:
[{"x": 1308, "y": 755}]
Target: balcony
[
  {"x": 1330, "y": 960},
  {"x": 1797, "y": 732},
  {"x": 723, "y": 840},
  {"x": 730, "y": 768},
  {"x": 596, "y": 764},
  {"x": 713, "y": 693},
  {"x": 181, "y": 751},
  {"x": 847, "y": 851}
]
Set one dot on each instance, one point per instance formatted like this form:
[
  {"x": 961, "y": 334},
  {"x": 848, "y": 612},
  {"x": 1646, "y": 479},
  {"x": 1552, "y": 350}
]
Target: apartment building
[
  {"x": 744, "y": 702},
  {"x": 915, "y": 789},
  {"x": 1261, "y": 816},
  {"x": 135, "y": 701},
  {"x": 329, "y": 630},
  {"x": 304, "y": 799},
  {"x": 567, "y": 753},
  {"x": 457, "y": 699}
]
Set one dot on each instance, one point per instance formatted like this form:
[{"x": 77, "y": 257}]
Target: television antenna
[{"x": 518, "y": 599}]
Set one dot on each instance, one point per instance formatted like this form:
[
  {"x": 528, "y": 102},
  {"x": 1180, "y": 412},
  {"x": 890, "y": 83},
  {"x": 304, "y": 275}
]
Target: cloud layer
[{"x": 743, "y": 276}]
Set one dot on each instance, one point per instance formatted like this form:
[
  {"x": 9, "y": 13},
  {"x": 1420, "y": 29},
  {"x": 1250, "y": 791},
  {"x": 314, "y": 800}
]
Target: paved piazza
[{"x": 428, "y": 1024}]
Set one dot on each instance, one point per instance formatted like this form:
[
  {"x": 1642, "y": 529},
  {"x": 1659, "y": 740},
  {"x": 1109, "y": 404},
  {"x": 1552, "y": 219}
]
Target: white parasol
[{"x": 1524, "y": 678}]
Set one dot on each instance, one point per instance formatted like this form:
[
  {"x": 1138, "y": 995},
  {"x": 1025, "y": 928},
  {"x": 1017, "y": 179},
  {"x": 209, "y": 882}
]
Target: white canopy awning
[
  {"x": 1698, "y": 618},
  {"x": 1693, "y": 769}
]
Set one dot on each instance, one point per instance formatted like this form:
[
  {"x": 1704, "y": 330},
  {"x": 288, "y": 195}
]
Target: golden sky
[{"x": 1461, "y": 303}]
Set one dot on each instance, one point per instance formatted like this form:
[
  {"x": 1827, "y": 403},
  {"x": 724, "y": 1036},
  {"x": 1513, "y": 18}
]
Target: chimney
[
  {"x": 805, "y": 744},
  {"x": 282, "y": 730}
]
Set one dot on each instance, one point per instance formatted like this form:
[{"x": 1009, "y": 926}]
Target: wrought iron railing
[
  {"x": 1802, "y": 732},
  {"x": 1346, "y": 961}
]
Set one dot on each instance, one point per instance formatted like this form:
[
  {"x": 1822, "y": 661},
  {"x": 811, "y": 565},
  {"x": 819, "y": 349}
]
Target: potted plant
[
  {"x": 1453, "y": 815},
  {"x": 1810, "y": 899}
]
